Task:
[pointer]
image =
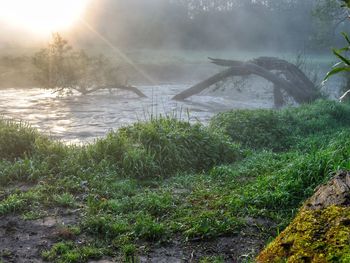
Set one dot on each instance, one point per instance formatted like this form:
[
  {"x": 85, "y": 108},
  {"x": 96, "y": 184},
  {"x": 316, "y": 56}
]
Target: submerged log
[
  {"x": 110, "y": 87},
  {"x": 295, "y": 83},
  {"x": 129, "y": 88}
]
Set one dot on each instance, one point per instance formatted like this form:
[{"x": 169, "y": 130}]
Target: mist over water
[
  {"x": 162, "y": 47},
  {"x": 77, "y": 119}
]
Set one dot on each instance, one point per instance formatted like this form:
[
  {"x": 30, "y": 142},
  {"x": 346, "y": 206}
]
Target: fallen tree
[{"x": 284, "y": 75}]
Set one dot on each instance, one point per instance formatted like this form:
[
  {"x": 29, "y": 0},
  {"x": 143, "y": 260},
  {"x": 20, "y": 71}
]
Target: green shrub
[
  {"x": 163, "y": 147},
  {"x": 281, "y": 130},
  {"x": 256, "y": 129},
  {"x": 319, "y": 117}
]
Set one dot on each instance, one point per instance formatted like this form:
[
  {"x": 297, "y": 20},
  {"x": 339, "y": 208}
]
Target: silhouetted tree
[{"x": 61, "y": 68}]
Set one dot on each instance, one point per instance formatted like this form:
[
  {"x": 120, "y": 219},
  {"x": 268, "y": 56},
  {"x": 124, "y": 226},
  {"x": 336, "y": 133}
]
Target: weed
[
  {"x": 64, "y": 200},
  {"x": 212, "y": 259},
  {"x": 147, "y": 228}
]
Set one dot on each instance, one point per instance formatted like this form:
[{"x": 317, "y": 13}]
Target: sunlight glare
[{"x": 41, "y": 16}]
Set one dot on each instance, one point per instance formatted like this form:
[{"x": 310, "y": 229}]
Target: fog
[
  {"x": 162, "y": 46},
  {"x": 184, "y": 24},
  {"x": 180, "y": 32},
  {"x": 283, "y": 25},
  {"x": 248, "y": 25}
]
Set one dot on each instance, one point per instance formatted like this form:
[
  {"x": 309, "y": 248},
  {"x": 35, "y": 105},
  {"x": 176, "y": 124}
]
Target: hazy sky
[{"x": 177, "y": 24}]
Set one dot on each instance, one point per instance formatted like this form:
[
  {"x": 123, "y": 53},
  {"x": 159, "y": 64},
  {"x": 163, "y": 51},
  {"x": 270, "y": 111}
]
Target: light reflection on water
[{"x": 76, "y": 119}]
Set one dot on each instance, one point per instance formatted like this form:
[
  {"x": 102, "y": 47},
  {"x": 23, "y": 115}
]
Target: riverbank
[{"x": 166, "y": 190}]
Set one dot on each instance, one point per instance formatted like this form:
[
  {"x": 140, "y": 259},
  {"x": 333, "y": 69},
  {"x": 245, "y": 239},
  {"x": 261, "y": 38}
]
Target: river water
[{"x": 76, "y": 118}]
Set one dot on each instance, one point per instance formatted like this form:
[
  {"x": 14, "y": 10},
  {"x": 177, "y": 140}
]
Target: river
[
  {"x": 80, "y": 119},
  {"x": 76, "y": 118}
]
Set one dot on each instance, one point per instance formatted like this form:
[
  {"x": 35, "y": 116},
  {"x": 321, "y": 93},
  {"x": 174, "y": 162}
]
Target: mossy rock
[{"x": 321, "y": 230}]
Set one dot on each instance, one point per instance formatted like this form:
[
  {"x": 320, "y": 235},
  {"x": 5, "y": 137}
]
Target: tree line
[{"x": 211, "y": 24}]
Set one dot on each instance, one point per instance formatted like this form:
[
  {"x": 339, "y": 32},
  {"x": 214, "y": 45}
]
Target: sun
[{"x": 41, "y": 16}]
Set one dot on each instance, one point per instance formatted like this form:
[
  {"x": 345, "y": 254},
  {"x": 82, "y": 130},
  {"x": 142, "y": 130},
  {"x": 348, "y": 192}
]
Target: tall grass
[
  {"x": 163, "y": 147},
  {"x": 280, "y": 130},
  {"x": 16, "y": 139}
]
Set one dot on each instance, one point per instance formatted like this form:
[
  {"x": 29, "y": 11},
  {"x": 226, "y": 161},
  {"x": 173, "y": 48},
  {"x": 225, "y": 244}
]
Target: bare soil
[{"x": 24, "y": 240}]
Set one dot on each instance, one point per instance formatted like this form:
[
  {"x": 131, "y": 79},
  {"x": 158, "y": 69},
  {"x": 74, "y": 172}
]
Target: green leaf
[
  {"x": 341, "y": 50},
  {"x": 336, "y": 71},
  {"x": 342, "y": 58},
  {"x": 337, "y": 64},
  {"x": 346, "y": 37}
]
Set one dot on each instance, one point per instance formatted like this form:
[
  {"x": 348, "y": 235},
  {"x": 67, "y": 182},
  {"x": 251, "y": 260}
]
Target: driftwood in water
[
  {"x": 129, "y": 88},
  {"x": 294, "y": 83},
  {"x": 110, "y": 87}
]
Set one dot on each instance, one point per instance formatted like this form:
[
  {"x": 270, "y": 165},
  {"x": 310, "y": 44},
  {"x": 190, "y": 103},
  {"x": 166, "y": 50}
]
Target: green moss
[{"x": 313, "y": 236}]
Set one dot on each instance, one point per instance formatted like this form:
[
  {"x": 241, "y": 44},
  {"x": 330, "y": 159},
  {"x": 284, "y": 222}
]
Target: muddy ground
[{"x": 24, "y": 240}]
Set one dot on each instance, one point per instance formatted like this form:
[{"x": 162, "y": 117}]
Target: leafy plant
[
  {"x": 341, "y": 54},
  {"x": 344, "y": 64}
]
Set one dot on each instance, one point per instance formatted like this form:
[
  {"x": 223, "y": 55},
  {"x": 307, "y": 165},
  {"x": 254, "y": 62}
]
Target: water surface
[{"x": 79, "y": 118}]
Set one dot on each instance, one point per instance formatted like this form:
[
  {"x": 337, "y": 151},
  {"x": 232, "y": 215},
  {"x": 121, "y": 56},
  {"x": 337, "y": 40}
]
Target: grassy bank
[{"x": 168, "y": 182}]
